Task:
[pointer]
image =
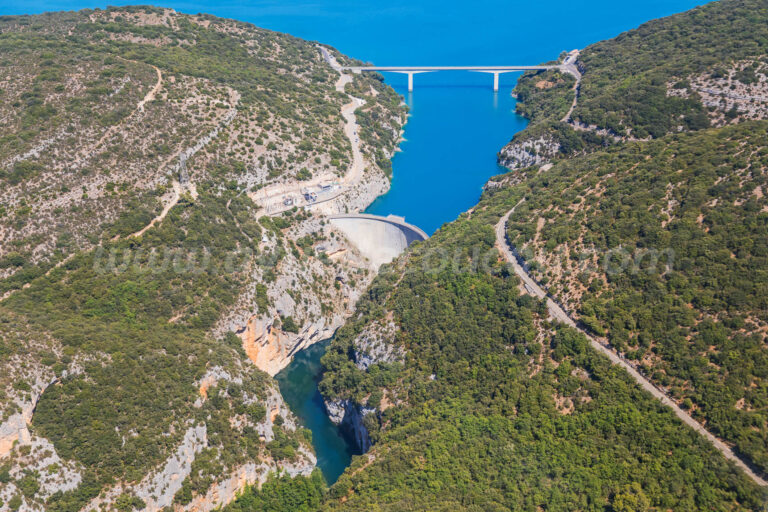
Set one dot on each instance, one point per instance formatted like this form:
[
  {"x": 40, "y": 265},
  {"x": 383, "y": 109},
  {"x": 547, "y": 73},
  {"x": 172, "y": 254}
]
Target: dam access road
[
  {"x": 280, "y": 197},
  {"x": 559, "y": 314}
]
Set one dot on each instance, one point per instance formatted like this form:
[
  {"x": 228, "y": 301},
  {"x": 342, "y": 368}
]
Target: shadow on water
[{"x": 298, "y": 385}]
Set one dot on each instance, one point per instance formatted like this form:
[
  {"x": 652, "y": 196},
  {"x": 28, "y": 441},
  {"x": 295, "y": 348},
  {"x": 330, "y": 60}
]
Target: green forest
[
  {"x": 482, "y": 425},
  {"x": 624, "y": 92},
  {"x": 658, "y": 247},
  {"x": 650, "y": 227},
  {"x": 665, "y": 51},
  {"x": 144, "y": 330},
  {"x": 688, "y": 294}
]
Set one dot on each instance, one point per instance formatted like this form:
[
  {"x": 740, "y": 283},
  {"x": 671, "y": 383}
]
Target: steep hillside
[
  {"x": 494, "y": 407},
  {"x": 642, "y": 209},
  {"x": 706, "y": 67},
  {"x": 661, "y": 247},
  {"x": 143, "y": 293}
]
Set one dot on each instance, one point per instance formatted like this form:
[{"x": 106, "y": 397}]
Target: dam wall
[{"x": 379, "y": 239}]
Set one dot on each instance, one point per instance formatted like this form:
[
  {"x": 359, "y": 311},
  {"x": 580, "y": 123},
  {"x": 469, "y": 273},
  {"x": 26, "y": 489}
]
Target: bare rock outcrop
[
  {"x": 519, "y": 154},
  {"x": 374, "y": 345},
  {"x": 271, "y": 349},
  {"x": 349, "y": 416}
]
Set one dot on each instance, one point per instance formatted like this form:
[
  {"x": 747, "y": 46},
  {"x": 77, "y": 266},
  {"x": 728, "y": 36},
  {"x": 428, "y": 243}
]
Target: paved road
[
  {"x": 357, "y": 69},
  {"x": 569, "y": 66},
  {"x": 558, "y": 313},
  {"x": 270, "y": 198}
]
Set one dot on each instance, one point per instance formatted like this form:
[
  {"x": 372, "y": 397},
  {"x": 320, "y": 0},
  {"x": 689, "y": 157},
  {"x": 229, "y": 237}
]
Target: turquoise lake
[
  {"x": 298, "y": 385},
  {"x": 457, "y": 124}
]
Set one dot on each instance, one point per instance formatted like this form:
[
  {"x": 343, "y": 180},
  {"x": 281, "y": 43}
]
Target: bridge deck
[{"x": 449, "y": 68}]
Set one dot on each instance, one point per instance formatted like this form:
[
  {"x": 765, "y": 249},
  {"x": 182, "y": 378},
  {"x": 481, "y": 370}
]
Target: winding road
[
  {"x": 559, "y": 314},
  {"x": 569, "y": 66},
  {"x": 270, "y": 198}
]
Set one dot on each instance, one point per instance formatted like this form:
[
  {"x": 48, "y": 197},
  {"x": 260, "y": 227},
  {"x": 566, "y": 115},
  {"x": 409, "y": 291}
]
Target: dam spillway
[{"x": 379, "y": 239}]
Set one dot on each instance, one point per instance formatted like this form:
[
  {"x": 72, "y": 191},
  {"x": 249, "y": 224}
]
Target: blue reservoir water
[
  {"x": 432, "y": 183},
  {"x": 457, "y": 125}
]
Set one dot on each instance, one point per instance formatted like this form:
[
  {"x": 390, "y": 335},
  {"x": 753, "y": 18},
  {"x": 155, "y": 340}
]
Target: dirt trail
[
  {"x": 174, "y": 199},
  {"x": 557, "y": 312},
  {"x": 152, "y": 93},
  {"x": 150, "y": 96},
  {"x": 190, "y": 187}
]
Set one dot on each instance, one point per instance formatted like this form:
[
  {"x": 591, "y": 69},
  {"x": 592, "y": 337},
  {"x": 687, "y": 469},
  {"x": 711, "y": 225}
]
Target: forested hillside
[
  {"x": 496, "y": 408},
  {"x": 662, "y": 247},
  {"x": 131, "y": 253},
  {"x": 706, "y": 67},
  {"x": 655, "y": 240},
  {"x": 98, "y": 106},
  {"x": 136, "y": 272}
]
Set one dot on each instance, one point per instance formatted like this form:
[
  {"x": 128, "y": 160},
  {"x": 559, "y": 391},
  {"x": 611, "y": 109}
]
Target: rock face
[
  {"x": 160, "y": 486},
  {"x": 23, "y": 379},
  {"x": 226, "y": 490},
  {"x": 272, "y": 349},
  {"x": 39, "y": 457},
  {"x": 26, "y": 453},
  {"x": 316, "y": 289},
  {"x": 158, "y": 490},
  {"x": 15, "y": 428},
  {"x": 349, "y": 416},
  {"x": 373, "y": 345},
  {"x": 519, "y": 154}
]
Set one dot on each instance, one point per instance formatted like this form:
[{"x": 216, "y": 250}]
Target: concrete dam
[{"x": 380, "y": 239}]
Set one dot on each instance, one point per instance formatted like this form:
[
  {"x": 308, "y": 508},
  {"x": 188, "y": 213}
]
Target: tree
[{"x": 631, "y": 499}]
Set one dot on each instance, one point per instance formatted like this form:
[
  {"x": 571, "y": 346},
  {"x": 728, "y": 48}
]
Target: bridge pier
[
  {"x": 410, "y": 77},
  {"x": 495, "y": 77},
  {"x": 495, "y": 70}
]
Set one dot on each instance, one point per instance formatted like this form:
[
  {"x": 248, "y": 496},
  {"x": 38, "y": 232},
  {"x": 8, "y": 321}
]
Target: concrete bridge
[
  {"x": 380, "y": 239},
  {"x": 495, "y": 70}
]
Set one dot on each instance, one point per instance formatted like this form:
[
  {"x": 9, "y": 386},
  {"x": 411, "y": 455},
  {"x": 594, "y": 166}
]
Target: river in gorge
[{"x": 457, "y": 122}]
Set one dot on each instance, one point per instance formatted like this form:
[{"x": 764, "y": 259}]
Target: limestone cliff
[
  {"x": 160, "y": 488},
  {"x": 271, "y": 349},
  {"x": 312, "y": 291},
  {"x": 527, "y": 152},
  {"x": 141, "y": 147},
  {"x": 375, "y": 344},
  {"x": 350, "y": 416}
]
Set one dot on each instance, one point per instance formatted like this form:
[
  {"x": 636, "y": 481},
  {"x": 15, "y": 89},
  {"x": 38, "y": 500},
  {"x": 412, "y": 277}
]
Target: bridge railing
[{"x": 412, "y": 70}]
